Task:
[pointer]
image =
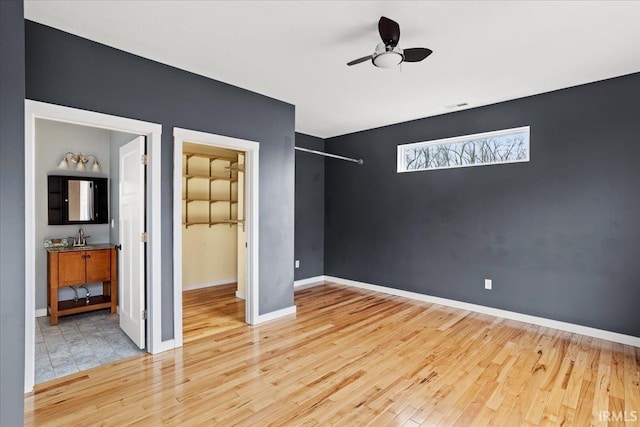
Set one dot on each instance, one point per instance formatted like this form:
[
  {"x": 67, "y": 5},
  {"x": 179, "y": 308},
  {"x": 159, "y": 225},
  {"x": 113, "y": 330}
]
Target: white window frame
[{"x": 401, "y": 166}]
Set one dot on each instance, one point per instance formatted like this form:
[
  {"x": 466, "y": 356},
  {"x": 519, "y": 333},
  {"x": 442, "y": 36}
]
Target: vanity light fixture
[{"x": 80, "y": 160}]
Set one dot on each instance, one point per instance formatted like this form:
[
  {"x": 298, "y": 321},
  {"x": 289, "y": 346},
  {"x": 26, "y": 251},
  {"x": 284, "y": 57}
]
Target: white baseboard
[
  {"x": 540, "y": 321},
  {"x": 275, "y": 314},
  {"x": 240, "y": 295},
  {"x": 311, "y": 281},
  {"x": 41, "y": 312},
  {"x": 209, "y": 284}
]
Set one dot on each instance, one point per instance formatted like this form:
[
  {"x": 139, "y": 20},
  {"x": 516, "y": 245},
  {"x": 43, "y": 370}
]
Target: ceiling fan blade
[
  {"x": 389, "y": 31},
  {"x": 416, "y": 54},
  {"x": 359, "y": 60}
]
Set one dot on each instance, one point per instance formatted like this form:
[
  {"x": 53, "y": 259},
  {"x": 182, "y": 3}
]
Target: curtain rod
[{"x": 335, "y": 156}]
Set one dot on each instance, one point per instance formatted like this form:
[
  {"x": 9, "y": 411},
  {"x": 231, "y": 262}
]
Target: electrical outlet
[
  {"x": 488, "y": 283},
  {"x": 297, "y": 263}
]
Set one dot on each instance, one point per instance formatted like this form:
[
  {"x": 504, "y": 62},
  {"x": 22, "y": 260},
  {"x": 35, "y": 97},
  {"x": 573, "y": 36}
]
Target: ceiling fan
[{"x": 387, "y": 53}]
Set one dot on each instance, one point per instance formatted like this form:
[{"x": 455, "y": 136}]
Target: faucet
[{"x": 81, "y": 240}]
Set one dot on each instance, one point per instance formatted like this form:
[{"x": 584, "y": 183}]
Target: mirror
[
  {"x": 80, "y": 200},
  {"x": 76, "y": 200}
]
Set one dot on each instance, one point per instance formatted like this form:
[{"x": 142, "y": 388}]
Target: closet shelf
[
  {"x": 224, "y": 221},
  {"x": 235, "y": 168},
  {"x": 210, "y": 156},
  {"x": 191, "y": 199},
  {"x": 211, "y": 178}
]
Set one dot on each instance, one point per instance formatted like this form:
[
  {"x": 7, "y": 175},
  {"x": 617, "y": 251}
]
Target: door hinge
[
  {"x": 143, "y": 237},
  {"x": 145, "y": 314},
  {"x": 144, "y": 159}
]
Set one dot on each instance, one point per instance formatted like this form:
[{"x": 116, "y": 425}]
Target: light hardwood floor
[
  {"x": 354, "y": 357},
  {"x": 209, "y": 311}
]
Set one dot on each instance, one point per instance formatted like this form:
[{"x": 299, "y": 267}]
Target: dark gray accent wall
[
  {"x": 68, "y": 70},
  {"x": 559, "y": 236},
  {"x": 309, "y": 211},
  {"x": 12, "y": 289}
]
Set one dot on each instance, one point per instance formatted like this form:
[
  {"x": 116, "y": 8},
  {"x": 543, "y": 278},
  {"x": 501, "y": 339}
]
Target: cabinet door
[
  {"x": 98, "y": 265},
  {"x": 71, "y": 269}
]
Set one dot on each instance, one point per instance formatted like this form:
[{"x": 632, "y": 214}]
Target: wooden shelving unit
[{"x": 231, "y": 176}]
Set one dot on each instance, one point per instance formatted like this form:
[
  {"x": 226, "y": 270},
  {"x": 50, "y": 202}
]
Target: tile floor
[{"x": 79, "y": 342}]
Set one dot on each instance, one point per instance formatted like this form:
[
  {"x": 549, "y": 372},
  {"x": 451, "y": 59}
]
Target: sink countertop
[{"x": 81, "y": 248}]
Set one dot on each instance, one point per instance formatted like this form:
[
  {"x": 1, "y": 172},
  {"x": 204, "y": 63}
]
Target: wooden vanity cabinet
[{"x": 78, "y": 267}]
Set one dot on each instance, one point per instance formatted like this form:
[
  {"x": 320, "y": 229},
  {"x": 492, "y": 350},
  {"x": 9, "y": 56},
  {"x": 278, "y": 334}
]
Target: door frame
[
  {"x": 252, "y": 208},
  {"x": 153, "y": 131}
]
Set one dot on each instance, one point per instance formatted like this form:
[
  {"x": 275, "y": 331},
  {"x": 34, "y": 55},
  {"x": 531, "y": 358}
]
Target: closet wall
[{"x": 209, "y": 212}]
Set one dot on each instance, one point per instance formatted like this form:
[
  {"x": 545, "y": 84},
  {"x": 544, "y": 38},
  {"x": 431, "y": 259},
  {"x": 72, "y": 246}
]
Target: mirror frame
[{"x": 58, "y": 208}]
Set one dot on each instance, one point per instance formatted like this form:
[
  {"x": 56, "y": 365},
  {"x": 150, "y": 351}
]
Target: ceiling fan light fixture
[
  {"x": 387, "y": 60},
  {"x": 387, "y": 56}
]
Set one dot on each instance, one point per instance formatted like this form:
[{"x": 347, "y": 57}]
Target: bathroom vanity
[{"x": 76, "y": 266}]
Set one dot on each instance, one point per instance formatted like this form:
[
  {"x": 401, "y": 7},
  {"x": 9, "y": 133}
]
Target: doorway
[
  {"x": 64, "y": 116},
  {"x": 216, "y": 178},
  {"x": 77, "y": 326},
  {"x": 213, "y": 240}
]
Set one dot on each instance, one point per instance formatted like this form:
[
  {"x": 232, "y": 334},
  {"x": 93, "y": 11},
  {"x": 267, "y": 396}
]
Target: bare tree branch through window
[{"x": 493, "y": 147}]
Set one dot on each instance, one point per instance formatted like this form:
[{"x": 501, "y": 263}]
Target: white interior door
[{"x": 131, "y": 226}]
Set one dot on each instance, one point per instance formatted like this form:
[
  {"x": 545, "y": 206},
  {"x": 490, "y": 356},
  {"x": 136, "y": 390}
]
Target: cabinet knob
[{"x": 88, "y": 256}]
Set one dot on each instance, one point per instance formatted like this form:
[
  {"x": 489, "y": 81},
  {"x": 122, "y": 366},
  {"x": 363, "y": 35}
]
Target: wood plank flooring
[
  {"x": 209, "y": 311},
  {"x": 354, "y": 357}
]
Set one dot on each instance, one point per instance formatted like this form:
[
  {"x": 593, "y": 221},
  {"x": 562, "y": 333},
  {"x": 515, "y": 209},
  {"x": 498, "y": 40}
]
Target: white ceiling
[{"x": 296, "y": 51}]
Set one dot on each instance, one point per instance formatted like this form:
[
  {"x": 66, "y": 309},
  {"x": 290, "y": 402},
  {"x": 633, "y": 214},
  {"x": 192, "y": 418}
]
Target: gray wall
[
  {"x": 65, "y": 69},
  {"x": 11, "y": 213},
  {"x": 559, "y": 235},
  {"x": 309, "y": 211}
]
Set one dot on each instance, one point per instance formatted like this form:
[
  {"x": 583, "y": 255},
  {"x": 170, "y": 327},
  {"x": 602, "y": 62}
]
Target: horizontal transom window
[{"x": 488, "y": 148}]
